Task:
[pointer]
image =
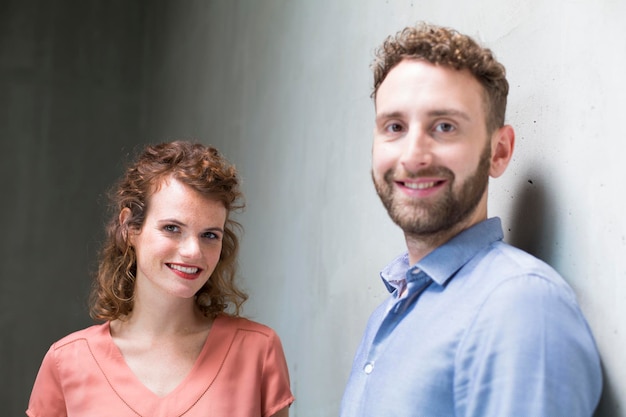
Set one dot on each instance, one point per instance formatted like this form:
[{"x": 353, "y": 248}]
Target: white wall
[{"x": 282, "y": 87}]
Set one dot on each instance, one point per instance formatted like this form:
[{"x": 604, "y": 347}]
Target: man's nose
[{"x": 418, "y": 151}]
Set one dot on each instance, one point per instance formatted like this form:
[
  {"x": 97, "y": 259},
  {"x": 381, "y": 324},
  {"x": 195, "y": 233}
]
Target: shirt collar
[{"x": 443, "y": 262}]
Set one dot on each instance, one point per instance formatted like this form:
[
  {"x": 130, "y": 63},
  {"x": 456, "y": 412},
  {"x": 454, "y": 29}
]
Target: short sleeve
[
  {"x": 529, "y": 352},
  {"x": 46, "y": 398},
  {"x": 275, "y": 386}
]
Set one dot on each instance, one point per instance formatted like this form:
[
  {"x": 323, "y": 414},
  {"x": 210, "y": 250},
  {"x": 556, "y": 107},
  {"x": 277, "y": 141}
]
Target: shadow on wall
[
  {"x": 533, "y": 229},
  {"x": 609, "y": 404}
]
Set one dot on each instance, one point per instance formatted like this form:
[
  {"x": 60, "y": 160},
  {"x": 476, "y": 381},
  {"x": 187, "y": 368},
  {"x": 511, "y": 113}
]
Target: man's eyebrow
[
  {"x": 390, "y": 115},
  {"x": 431, "y": 113},
  {"x": 449, "y": 112}
]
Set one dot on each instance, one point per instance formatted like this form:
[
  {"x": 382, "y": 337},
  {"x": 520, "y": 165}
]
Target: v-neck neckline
[{"x": 185, "y": 395}]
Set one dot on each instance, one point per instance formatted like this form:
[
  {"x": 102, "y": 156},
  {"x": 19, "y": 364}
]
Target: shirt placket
[{"x": 417, "y": 281}]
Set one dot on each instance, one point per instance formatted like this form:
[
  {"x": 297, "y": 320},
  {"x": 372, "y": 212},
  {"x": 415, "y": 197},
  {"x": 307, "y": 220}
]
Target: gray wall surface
[
  {"x": 70, "y": 110},
  {"x": 282, "y": 87}
]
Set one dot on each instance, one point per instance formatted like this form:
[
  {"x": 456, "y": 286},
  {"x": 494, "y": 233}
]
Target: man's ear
[
  {"x": 502, "y": 144},
  {"x": 123, "y": 219}
]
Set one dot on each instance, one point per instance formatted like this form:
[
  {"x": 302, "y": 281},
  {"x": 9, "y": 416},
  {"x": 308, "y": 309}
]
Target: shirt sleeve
[
  {"x": 46, "y": 398},
  {"x": 529, "y": 352},
  {"x": 275, "y": 386}
]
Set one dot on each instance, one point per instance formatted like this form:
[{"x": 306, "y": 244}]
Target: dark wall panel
[{"x": 70, "y": 111}]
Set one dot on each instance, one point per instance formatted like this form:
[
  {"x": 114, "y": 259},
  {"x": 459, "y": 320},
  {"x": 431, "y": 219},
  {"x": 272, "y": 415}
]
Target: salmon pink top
[{"x": 240, "y": 372}]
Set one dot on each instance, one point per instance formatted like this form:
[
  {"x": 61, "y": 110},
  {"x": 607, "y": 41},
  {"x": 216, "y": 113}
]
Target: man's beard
[{"x": 429, "y": 218}]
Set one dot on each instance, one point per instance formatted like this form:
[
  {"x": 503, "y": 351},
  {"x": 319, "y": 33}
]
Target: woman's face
[{"x": 180, "y": 242}]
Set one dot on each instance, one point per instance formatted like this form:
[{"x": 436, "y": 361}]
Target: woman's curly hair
[
  {"x": 448, "y": 48},
  {"x": 199, "y": 167}
]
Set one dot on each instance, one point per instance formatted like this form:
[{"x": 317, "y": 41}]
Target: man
[{"x": 473, "y": 326}]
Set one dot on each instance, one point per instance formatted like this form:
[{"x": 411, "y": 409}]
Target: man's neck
[{"x": 419, "y": 246}]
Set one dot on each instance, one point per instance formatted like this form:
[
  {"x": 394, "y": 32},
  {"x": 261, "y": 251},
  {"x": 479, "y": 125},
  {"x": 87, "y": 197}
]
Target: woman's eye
[
  {"x": 210, "y": 235},
  {"x": 170, "y": 228},
  {"x": 444, "y": 127}
]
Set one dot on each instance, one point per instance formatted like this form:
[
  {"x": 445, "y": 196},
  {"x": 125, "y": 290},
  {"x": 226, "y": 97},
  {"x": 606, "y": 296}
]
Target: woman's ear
[
  {"x": 502, "y": 144},
  {"x": 123, "y": 219}
]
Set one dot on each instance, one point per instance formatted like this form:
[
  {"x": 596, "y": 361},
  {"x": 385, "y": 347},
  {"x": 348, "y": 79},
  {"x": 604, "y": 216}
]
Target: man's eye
[
  {"x": 394, "y": 127},
  {"x": 444, "y": 127}
]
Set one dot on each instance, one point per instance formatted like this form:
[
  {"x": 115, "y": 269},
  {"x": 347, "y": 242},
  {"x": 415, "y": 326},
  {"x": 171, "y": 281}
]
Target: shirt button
[
  {"x": 369, "y": 367},
  {"x": 415, "y": 271}
]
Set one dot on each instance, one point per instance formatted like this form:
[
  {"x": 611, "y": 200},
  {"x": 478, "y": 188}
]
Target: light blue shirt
[{"x": 483, "y": 330}]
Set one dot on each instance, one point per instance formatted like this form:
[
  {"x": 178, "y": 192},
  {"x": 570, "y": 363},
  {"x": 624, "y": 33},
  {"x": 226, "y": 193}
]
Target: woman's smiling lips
[{"x": 185, "y": 271}]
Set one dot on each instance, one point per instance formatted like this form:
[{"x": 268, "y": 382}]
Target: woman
[{"x": 172, "y": 342}]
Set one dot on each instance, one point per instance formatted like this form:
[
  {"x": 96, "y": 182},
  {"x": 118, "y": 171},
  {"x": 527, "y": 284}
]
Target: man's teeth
[
  {"x": 186, "y": 270},
  {"x": 419, "y": 185}
]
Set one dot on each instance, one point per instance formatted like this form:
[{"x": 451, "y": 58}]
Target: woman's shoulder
[
  {"x": 255, "y": 341},
  {"x": 97, "y": 331},
  {"x": 245, "y": 324}
]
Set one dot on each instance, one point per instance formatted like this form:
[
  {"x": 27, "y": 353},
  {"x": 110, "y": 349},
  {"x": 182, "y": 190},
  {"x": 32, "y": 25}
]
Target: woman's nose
[{"x": 190, "y": 247}]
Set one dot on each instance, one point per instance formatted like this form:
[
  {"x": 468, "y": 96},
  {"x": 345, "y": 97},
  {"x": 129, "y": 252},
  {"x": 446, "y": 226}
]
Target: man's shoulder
[
  {"x": 519, "y": 261},
  {"x": 503, "y": 265}
]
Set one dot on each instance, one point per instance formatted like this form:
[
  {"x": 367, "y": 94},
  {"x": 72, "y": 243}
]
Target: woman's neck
[{"x": 161, "y": 317}]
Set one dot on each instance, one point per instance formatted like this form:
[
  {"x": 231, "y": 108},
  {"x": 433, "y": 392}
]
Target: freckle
[{"x": 530, "y": 181}]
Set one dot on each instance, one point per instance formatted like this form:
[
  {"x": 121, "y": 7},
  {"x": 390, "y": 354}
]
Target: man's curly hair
[{"x": 448, "y": 48}]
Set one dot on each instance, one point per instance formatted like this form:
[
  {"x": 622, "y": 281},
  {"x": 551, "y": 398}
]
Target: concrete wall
[
  {"x": 70, "y": 110},
  {"x": 282, "y": 87}
]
